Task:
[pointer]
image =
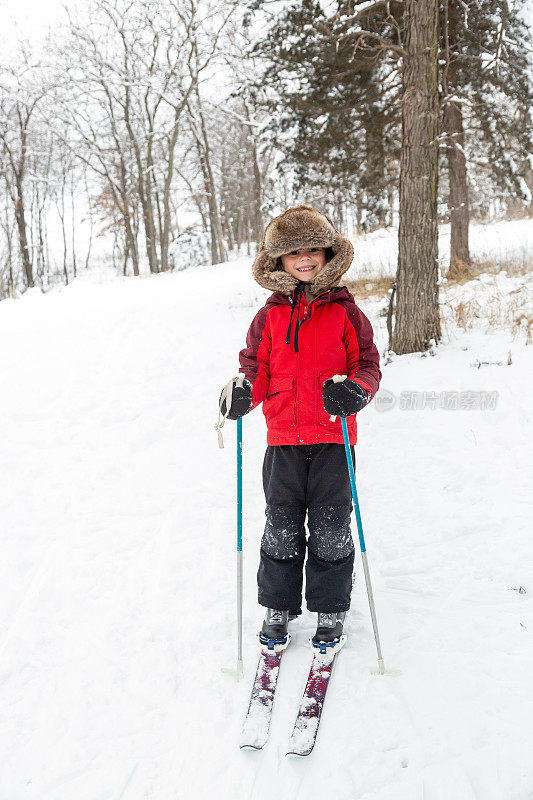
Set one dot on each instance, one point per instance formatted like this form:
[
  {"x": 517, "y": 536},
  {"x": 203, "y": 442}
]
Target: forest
[{"x": 172, "y": 130}]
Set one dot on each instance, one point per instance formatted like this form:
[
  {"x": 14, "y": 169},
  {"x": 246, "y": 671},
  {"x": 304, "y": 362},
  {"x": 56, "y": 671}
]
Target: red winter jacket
[{"x": 288, "y": 357}]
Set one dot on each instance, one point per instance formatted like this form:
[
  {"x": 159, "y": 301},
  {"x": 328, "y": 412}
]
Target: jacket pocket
[
  {"x": 322, "y": 414},
  {"x": 279, "y": 406}
]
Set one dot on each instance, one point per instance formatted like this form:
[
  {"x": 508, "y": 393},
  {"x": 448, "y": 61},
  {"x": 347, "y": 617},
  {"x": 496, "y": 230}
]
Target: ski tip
[
  {"x": 298, "y": 753},
  {"x": 253, "y": 747}
]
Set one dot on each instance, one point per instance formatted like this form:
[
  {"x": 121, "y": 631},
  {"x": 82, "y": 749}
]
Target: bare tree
[
  {"x": 22, "y": 88},
  {"x": 133, "y": 85}
]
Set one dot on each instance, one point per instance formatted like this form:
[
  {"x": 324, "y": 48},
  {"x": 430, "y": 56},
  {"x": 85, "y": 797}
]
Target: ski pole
[
  {"x": 239, "y": 671},
  {"x": 381, "y": 665}
]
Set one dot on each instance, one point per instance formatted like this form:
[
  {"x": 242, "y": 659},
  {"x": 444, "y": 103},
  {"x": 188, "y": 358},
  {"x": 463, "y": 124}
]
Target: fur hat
[{"x": 296, "y": 228}]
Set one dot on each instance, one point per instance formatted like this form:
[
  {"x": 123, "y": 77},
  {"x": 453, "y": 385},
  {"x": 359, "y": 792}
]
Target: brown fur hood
[{"x": 298, "y": 227}]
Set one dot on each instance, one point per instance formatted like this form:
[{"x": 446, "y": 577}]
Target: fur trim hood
[{"x": 301, "y": 226}]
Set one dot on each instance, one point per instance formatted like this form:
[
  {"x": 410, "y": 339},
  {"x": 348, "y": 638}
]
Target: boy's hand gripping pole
[{"x": 227, "y": 395}]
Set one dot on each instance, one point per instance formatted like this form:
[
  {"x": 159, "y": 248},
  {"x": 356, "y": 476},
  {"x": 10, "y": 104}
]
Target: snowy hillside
[{"x": 117, "y": 581}]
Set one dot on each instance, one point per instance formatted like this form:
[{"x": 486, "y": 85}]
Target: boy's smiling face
[{"x": 305, "y": 264}]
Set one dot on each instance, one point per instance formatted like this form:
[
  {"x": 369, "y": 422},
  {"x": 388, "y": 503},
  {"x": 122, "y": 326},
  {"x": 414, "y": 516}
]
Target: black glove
[
  {"x": 344, "y": 398},
  {"x": 241, "y": 400}
]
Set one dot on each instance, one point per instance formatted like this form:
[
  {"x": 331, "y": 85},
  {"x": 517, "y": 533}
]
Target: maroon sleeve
[
  {"x": 255, "y": 357},
  {"x": 363, "y": 355}
]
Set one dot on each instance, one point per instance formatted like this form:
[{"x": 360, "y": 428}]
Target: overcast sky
[{"x": 32, "y": 17}]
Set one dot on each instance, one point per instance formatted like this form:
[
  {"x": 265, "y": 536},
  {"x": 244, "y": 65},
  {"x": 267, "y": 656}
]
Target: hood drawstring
[{"x": 297, "y": 296}]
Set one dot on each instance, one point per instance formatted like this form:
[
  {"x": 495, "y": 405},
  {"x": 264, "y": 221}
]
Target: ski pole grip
[
  {"x": 227, "y": 395},
  {"x": 337, "y": 379}
]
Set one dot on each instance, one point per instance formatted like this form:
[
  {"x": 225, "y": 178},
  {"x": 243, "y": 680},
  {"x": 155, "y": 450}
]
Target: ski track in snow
[{"x": 118, "y": 513}]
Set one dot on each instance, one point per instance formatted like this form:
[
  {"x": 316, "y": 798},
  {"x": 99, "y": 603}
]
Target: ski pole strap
[
  {"x": 227, "y": 395},
  {"x": 337, "y": 379}
]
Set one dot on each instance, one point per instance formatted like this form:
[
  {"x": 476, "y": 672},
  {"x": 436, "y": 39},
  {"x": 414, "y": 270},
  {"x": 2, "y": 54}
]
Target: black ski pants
[{"x": 313, "y": 480}]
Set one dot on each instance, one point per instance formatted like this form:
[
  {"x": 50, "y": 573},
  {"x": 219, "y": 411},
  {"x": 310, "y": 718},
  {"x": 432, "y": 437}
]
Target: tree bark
[
  {"x": 165, "y": 234},
  {"x": 91, "y": 221},
  {"x": 452, "y": 121},
  {"x": 258, "y": 223},
  {"x": 23, "y": 235},
  {"x": 143, "y": 186},
  {"x": 217, "y": 245},
  {"x": 458, "y": 197},
  {"x": 374, "y": 172},
  {"x": 417, "y": 308},
  {"x": 60, "y": 205},
  {"x": 131, "y": 239}
]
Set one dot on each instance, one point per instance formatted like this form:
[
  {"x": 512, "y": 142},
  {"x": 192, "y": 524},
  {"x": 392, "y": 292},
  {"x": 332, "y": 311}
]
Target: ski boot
[
  {"x": 329, "y": 631},
  {"x": 274, "y": 633}
]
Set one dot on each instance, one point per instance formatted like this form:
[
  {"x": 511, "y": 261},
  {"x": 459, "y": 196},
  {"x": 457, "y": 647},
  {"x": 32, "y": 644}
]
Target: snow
[
  {"x": 501, "y": 240},
  {"x": 117, "y": 578}
]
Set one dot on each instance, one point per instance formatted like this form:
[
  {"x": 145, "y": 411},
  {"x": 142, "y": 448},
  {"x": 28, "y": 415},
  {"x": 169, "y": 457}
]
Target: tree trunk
[
  {"x": 452, "y": 121},
  {"x": 358, "y": 212},
  {"x": 374, "y": 172},
  {"x": 23, "y": 236},
  {"x": 131, "y": 241},
  {"x": 73, "y": 222},
  {"x": 143, "y": 186},
  {"x": 218, "y": 250},
  {"x": 147, "y": 220},
  {"x": 9, "y": 242},
  {"x": 91, "y": 222},
  {"x": 229, "y": 235},
  {"x": 240, "y": 237},
  {"x": 165, "y": 234},
  {"x": 217, "y": 246},
  {"x": 39, "y": 251},
  {"x": 417, "y": 308},
  {"x": 150, "y": 221},
  {"x": 61, "y": 211},
  {"x": 258, "y": 224},
  {"x": 458, "y": 198},
  {"x": 163, "y": 258}
]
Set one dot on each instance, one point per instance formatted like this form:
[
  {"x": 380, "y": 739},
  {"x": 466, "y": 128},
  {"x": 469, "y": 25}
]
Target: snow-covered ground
[
  {"x": 117, "y": 577},
  {"x": 500, "y": 241}
]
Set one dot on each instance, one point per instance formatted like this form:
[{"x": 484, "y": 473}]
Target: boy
[{"x": 309, "y": 330}]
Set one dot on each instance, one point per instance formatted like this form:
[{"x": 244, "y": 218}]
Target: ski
[
  {"x": 257, "y": 722},
  {"x": 306, "y": 726}
]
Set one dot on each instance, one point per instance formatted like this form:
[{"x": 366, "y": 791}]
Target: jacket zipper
[
  {"x": 297, "y": 383},
  {"x": 307, "y": 307}
]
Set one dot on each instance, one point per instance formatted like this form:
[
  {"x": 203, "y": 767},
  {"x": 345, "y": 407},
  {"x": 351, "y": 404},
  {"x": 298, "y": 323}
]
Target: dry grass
[
  {"x": 485, "y": 305},
  {"x": 523, "y": 326},
  {"x": 461, "y": 273},
  {"x": 377, "y": 286},
  {"x": 518, "y": 263},
  {"x": 490, "y": 309}
]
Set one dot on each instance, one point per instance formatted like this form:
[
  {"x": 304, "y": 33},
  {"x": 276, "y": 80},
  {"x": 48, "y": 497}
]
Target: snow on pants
[{"x": 312, "y": 479}]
